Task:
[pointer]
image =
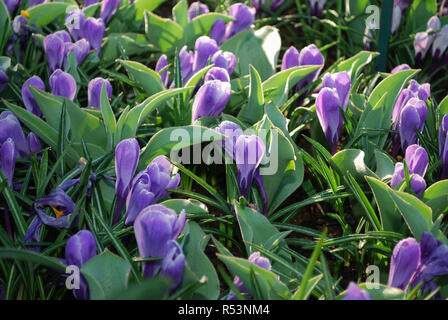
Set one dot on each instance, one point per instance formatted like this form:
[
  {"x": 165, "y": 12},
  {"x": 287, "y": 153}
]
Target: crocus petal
[
  {"x": 162, "y": 63},
  {"x": 74, "y": 21},
  {"x": 54, "y": 48},
  {"x": 224, "y": 59},
  {"x": 94, "y": 91},
  {"x": 63, "y": 84},
  {"x": 186, "y": 59},
  {"x": 108, "y": 8},
  {"x": 10, "y": 128},
  {"x": 440, "y": 43},
  {"x": 28, "y": 98},
  {"x": 196, "y": 9},
  {"x": 80, "y": 49},
  {"x": 8, "y": 160},
  {"x": 404, "y": 262},
  {"x": 33, "y": 142},
  {"x": 57, "y": 200},
  {"x": 217, "y": 73},
  {"x": 398, "y": 175},
  {"x": 342, "y": 83},
  {"x": 355, "y": 293},
  {"x": 417, "y": 159},
  {"x": 93, "y": 31},
  {"x": 218, "y": 31},
  {"x": 211, "y": 99},
  {"x": 399, "y": 68},
  {"x": 205, "y": 48},
  {"x": 232, "y": 131},
  {"x": 290, "y": 58},
  {"x": 173, "y": 264},
  {"x": 244, "y": 17},
  {"x": 418, "y": 184}
]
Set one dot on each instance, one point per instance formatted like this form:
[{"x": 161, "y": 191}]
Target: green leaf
[
  {"x": 420, "y": 11},
  {"x": 145, "y": 5},
  {"x": 443, "y": 107},
  {"x": 267, "y": 285},
  {"x": 201, "y": 25},
  {"x": 351, "y": 160},
  {"x": 436, "y": 197},
  {"x": 164, "y": 34},
  {"x": 43, "y": 14},
  {"x": 190, "y": 206},
  {"x": 354, "y": 65},
  {"x": 109, "y": 118},
  {"x": 384, "y": 164},
  {"x": 31, "y": 256},
  {"x": 107, "y": 275},
  {"x": 180, "y": 13},
  {"x": 259, "y": 48},
  {"x": 5, "y": 26},
  {"x": 149, "y": 289},
  {"x": 253, "y": 111},
  {"x": 197, "y": 260},
  {"x": 150, "y": 80},
  {"x": 117, "y": 44}
]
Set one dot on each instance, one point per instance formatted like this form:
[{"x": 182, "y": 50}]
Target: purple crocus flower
[
  {"x": 232, "y": 131},
  {"x": 211, "y": 99},
  {"x": 149, "y": 186},
  {"x": 12, "y": 5},
  {"x": 33, "y": 142},
  {"x": 443, "y": 146},
  {"x": 63, "y": 84},
  {"x": 309, "y": 56},
  {"x": 154, "y": 227},
  {"x": 162, "y": 63},
  {"x": 74, "y": 22},
  {"x": 80, "y": 49},
  {"x": 218, "y": 31},
  {"x": 399, "y": 68},
  {"x": 440, "y": 43},
  {"x": 173, "y": 264},
  {"x": 412, "y": 117},
  {"x": 399, "y": 8},
  {"x": 90, "y": 2},
  {"x": 290, "y": 58},
  {"x": 256, "y": 259},
  {"x": 244, "y": 17},
  {"x": 317, "y": 8},
  {"x": 354, "y": 292},
  {"x": 108, "y": 8},
  {"x": 10, "y": 128},
  {"x": 62, "y": 206},
  {"x": 205, "y": 48},
  {"x": 342, "y": 83},
  {"x": 330, "y": 118},
  {"x": 403, "y": 263},
  {"x": 94, "y": 91},
  {"x": 8, "y": 159},
  {"x": 249, "y": 151},
  {"x": 424, "y": 40},
  {"x": 224, "y": 59},
  {"x": 196, "y": 9},
  {"x": 93, "y": 30},
  {"x": 417, "y": 161},
  {"x": 127, "y": 154},
  {"x": 217, "y": 73},
  {"x": 4, "y": 79},
  {"x": 367, "y": 39},
  {"x": 186, "y": 59},
  {"x": 28, "y": 98},
  {"x": 80, "y": 248},
  {"x": 55, "y": 49}
]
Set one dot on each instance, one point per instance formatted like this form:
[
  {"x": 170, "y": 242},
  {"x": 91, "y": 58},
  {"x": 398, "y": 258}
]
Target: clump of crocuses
[
  {"x": 417, "y": 161},
  {"x": 413, "y": 263},
  {"x": 333, "y": 98},
  {"x": 156, "y": 229}
]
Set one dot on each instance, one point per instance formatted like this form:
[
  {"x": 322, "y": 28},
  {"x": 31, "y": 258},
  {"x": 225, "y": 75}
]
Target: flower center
[{"x": 57, "y": 212}]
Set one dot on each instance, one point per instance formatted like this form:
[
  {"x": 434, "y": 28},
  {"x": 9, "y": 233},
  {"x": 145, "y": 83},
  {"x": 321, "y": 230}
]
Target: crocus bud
[
  {"x": 249, "y": 151},
  {"x": 108, "y": 8},
  {"x": 80, "y": 248},
  {"x": 173, "y": 264},
  {"x": 396, "y": 19},
  {"x": 417, "y": 159},
  {"x": 290, "y": 58},
  {"x": 217, "y": 73},
  {"x": 418, "y": 184},
  {"x": 399, "y": 68},
  {"x": 74, "y": 22},
  {"x": 205, "y": 48},
  {"x": 55, "y": 48},
  {"x": 353, "y": 292},
  {"x": 93, "y": 31},
  {"x": 402, "y": 4},
  {"x": 224, "y": 59},
  {"x": 149, "y": 186},
  {"x": 342, "y": 83},
  {"x": 218, "y": 31},
  {"x": 94, "y": 91},
  {"x": 12, "y": 5},
  {"x": 403, "y": 263},
  {"x": 196, "y": 9},
  {"x": 4, "y": 79},
  {"x": 162, "y": 63},
  {"x": 443, "y": 146},
  {"x": 10, "y": 128},
  {"x": 63, "y": 84},
  {"x": 33, "y": 142},
  {"x": 422, "y": 43},
  {"x": 440, "y": 43},
  {"x": 317, "y": 8},
  {"x": 80, "y": 49},
  {"x": 244, "y": 17},
  {"x": 28, "y": 98},
  {"x": 186, "y": 59},
  {"x": 330, "y": 118},
  {"x": 8, "y": 159},
  {"x": 367, "y": 39},
  {"x": 154, "y": 227},
  {"x": 211, "y": 99},
  {"x": 412, "y": 117},
  {"x": 310, "y": 55},
  {"x": 127, "y": 154},
  {"x": 90, "y": 2},
  {"x": 232, "y": 131}
]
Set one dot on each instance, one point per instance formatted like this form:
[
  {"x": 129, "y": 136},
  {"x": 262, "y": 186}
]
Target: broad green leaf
[
  {"x": 164, "y": 34},
  {"x": 384, "y": 164},
  {"x": 149, "y": 289},
  {"x": 150, "y": 80},
  {"x": 145, "y": 5},
  {"x": 354, "y": 65},
  {"x": 436, "y": 197},
  {"x": 107, "y": 275},
  {"x": 5, "y": 26},
  {"x": 443, "y": 107},
  {"x": 259, "y": 48},
  {"x": 44, "y": 13},
  {"x": 253, "y": 111},
  {"x": 190, "y": 206},
  {"x": 193, "y": 247},
  {"x": 180, "y": 13},
  {"x": 420, "y": 11},
  {"x": 31, "y": 256},
  {"x": 117, "y": 44},
  {"x": 351, "y": 160}
]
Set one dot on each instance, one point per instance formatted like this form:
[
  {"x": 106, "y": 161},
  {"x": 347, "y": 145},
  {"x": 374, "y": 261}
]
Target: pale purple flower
[
  {"x": 196, "y": 9},
  {"x": 205, "y": 48},
  {"x": 211, "y": 99},
  {"x": 94, "y": 91},
  {"x": 63, "y": 84},
  {"x": 162, "y": 63},
  {"x": 218, "y": 31},
  {"x": 217, "y": 73},
  {"x": 28, "y": 98},
  {"x": 354, "y": 292},
  {"x": 290, "y": 58},
  {"x": 224, "y": 59},
  {"x": 244, "y": 17},
  {"x": 108, "y": 8}
]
